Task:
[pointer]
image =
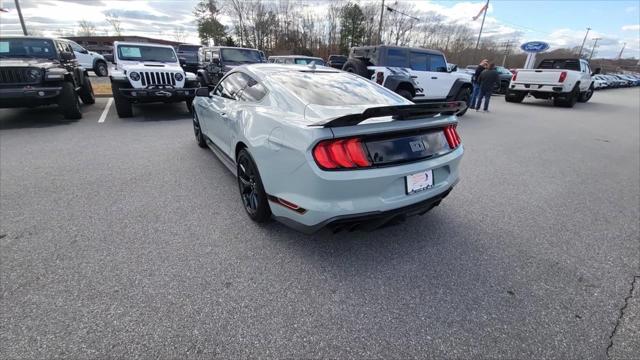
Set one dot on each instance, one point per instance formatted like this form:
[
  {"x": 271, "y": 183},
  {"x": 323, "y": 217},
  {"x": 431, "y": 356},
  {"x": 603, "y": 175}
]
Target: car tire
[
  {"x": 570, "y": 100},
  {"x": 404, "y": 93},
  {"x": 86, "y": 92},
  {"x": 356, "y": 66},
  {"x": 514, "y": 96},
  {"x": 189, "y": 103},
  {"x": 69, "y": 102},
  {"x": 464, "y": 95},
  {"x": 586, "y": 96},
  {"x": 101, "y": 69},
  {"x": 123, "y": 106},
  {"x": 252, "y": 193},
  {"x": 197, "y": 131}
]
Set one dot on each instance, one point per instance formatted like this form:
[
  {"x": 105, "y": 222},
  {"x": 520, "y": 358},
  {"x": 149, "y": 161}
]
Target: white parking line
[{"x": 105, "y": 111}]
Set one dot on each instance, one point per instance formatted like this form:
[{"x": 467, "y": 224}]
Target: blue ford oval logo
[{"x": 534, "y": 46}]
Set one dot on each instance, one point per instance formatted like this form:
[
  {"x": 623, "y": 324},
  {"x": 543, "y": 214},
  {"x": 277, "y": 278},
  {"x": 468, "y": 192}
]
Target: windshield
[
  {"x": 305, "y": 61},
  {"x": 333, "y": 88},
  {"x": 27, "y": 48},
  {"x": 243, "y": 56},
  {"x": 146, "y": 53}
]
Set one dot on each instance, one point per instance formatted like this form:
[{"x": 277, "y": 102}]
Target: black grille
[
  {"x": 16, "y": 76},
  {"x": 157, "y": 78}
]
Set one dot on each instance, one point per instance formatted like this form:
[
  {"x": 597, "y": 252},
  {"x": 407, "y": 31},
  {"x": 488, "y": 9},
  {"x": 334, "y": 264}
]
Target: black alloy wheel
[{"x": 254, "y": 198}]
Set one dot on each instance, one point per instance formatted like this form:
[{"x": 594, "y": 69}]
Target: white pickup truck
[{"x": 566, "y": 81}]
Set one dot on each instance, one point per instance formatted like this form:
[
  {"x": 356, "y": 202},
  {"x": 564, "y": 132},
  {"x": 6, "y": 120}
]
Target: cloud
[{"x": 631, "y": 27}]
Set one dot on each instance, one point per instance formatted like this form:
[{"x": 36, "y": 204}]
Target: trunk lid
[{"x": 391, "y": 138}]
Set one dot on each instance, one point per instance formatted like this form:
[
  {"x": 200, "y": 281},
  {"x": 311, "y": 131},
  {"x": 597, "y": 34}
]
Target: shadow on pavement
[
  {"x": 159, "y": 112},
  {"x": 39, "y": 117}
]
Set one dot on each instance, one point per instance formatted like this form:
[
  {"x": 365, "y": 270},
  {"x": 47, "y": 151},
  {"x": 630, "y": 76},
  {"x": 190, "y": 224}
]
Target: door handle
[
  {"x": 223, "y": 114},
  {"x": 434, "y": 77}
]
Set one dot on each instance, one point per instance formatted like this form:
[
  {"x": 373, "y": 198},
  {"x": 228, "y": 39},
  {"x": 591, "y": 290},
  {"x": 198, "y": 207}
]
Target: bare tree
[
  {"x": 179, "y": 34},
  {"x": 114, "y": 21},
  {"x": 86, "y": 28}
]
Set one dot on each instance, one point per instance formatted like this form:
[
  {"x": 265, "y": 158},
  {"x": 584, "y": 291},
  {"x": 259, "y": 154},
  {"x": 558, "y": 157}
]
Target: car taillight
[
  {"x": 379, "y": 78},
  {"x": 453, "y": 139},
  {"x": 515, "y": 75},
  {"x": 341, "y": 154},
  {"x": 563, "y": 76}
]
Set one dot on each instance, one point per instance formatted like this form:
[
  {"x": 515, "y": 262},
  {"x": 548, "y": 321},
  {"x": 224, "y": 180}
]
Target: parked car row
[{"x": 605, "y": 81}]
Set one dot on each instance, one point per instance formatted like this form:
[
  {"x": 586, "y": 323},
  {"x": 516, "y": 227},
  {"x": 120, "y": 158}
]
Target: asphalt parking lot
[{"x": 123, "y": 238}]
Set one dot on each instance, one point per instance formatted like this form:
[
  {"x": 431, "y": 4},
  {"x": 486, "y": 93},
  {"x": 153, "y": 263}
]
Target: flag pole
[
  {"x": 482, "y": 25},
  {"x": 24, "y": 28}
]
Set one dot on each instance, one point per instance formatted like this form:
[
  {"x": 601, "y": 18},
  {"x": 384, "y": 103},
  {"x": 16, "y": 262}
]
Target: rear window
[
  {"x": 333, "y": 89},
  {"x": 560, "y": 64},
  {"x": 241, "y": 56}
]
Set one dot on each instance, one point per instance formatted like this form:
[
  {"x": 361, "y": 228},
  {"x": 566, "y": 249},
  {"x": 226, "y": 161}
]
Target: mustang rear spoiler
[{"x": 397, "y": 112}]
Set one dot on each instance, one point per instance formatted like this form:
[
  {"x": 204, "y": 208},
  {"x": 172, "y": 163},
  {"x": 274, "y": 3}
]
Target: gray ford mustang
[{"x": 315, "y": 147}]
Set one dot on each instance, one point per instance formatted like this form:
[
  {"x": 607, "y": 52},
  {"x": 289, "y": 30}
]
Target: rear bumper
[
  {"x": 26, "y": 97},
  {"x": 153, "y": 95},
  {"x": 550, "y": 88},
  {"x": 370, "y": 220},
  {"x": 363, "y": 199}
]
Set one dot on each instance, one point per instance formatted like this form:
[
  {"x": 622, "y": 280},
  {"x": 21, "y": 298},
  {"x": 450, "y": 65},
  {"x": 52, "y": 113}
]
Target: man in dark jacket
[
  {"x": 487, "y": 81},
  {"x": 474, "y": 81}
]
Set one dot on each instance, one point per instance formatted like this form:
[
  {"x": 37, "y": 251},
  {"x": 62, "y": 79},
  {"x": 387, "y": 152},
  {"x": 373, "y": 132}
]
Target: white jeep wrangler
[
  {"x": 147, "y": 73},
  {"x": 419, "y": 75}
]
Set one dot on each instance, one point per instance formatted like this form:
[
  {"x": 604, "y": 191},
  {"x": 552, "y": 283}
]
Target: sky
[{"x": 560, "y": 23}]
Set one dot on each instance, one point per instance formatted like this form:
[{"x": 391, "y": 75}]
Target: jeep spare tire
[{"x": 356, "y": 66}]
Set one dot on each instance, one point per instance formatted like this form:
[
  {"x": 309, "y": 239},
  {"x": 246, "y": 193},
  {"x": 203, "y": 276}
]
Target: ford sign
[{"x": 534, "y": 46}]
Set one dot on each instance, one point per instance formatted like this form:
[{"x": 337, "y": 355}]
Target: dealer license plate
[{"x": 419, "y": 181}]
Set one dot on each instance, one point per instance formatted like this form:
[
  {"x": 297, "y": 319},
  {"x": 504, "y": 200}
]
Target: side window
[
  {"x": 230, "y": 86},
  {"x": 76, "y": 47},
  {"x": 207, "y": 56},
  {"x": 418, "y": 61},
  {"x": 397, "y": 57},
  {"x": 253, "y": 91},
  {"x": 437, "y": 63},
  {"x": 288, "y": 61}
]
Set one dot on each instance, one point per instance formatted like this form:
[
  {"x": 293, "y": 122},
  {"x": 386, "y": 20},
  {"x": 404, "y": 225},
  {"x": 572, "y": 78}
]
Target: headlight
[
  {"x": 134, "y": 76},
  {"x": 55, "y": 74},
  {"x": 34, "y": 74},
  {"x": 178, "y": 76}
]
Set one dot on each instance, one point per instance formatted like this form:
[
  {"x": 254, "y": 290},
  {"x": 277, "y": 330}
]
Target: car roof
[
  {"x": 226, "y": 47},
  {"x": 417, "y": 49},
  {"x": 141, "y": 44},
  {"x": 30, "y": 37},
  {"x": 295, "y": 56}
]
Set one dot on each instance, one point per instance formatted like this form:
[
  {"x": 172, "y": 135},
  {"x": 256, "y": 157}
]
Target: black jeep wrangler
[
  {"x": 38, "y": 71},
  {"x": 218, "y": 60}
]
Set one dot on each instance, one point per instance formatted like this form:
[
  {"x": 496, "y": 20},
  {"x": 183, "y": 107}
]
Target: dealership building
[{"x": 104, "y": 44}]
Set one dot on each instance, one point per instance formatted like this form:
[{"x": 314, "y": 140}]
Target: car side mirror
[
  {"x": 216, "y": 61},
  {"x": 84, "y": 51},
  {"x": 182, "y": 61},
  {"x": 454, "y": 69},
  {"x": 203, "y": 92},
  {"x": 109, "y": 58},
  {"x": 67, "y": 56},
  {"x": 596, "y": 71}
]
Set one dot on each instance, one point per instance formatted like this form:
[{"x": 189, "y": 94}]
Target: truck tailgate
[{"x": 537, "y": 76}]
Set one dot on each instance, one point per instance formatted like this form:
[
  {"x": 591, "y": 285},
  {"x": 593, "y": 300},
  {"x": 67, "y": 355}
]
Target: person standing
[
  {"x": 487, "y": 80},
  {"x": 474, "y": 81}
]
